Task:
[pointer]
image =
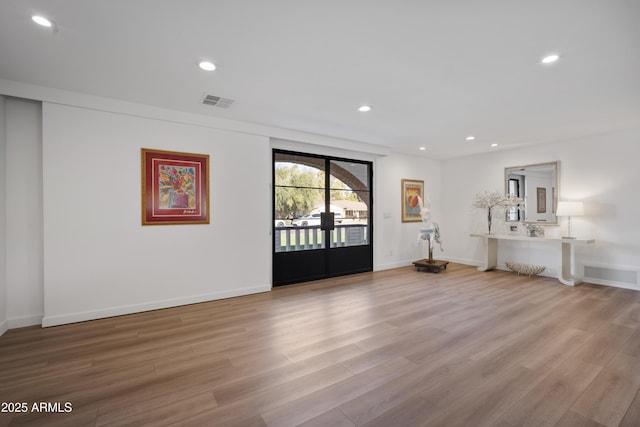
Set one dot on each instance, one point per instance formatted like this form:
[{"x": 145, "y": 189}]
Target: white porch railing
[{"x": 289, "y": 239}]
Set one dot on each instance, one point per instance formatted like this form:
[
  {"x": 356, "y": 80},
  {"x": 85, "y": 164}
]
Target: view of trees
[{"x": 300, "y": 188}]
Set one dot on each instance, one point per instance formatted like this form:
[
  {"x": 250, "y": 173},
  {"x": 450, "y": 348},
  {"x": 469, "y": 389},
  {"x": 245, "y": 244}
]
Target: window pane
[
  {"x": 354, "y": 176},
  {"x": 351, "y": 218},
  {"x": 299, "y": 171},
  {"x": 299, "y": 199},
  {"x": 294, "y": 202}
]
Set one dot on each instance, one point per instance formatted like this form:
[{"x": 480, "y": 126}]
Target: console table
[{"x": 490, "y": 260}]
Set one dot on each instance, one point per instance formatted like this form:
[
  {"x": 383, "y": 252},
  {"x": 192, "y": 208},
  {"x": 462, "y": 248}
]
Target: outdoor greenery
[{"x": 299, "y": 189}]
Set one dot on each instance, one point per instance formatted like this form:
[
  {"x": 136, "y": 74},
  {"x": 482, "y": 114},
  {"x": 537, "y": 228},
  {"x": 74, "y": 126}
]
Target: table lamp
[{"x": 570, "y": 209}]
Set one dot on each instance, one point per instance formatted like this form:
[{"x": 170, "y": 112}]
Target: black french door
[{"x": 322, "y": 217}]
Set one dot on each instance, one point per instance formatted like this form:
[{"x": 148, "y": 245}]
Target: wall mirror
[{"x": 538, "y": 185}]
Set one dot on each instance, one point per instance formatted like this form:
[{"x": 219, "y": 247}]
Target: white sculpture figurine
[{"x": 427, "y": 231}]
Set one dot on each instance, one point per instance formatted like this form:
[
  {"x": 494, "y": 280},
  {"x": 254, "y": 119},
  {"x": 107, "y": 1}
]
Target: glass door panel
[
  {"x": 299, "y": 200},
  {"x": 322, "y": 225},
  {"x": 296, "y": 232},
  {"x": 350, "y": 199}
]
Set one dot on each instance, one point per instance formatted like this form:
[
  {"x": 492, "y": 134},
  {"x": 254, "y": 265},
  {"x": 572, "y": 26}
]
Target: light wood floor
[{"x": 391, "y": 348}]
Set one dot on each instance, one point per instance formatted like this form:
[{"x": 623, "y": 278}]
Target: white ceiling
[{"x": 434, "y": 71}]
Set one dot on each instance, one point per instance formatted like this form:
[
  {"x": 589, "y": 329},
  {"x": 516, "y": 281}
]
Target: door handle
[{"x": 327, "y": 221}]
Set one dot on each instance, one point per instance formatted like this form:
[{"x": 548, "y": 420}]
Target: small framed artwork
[
  {"x": 411, "y": 190},
  {"x": 541, "y": 194},
  {"x": 175, "y": 188}
]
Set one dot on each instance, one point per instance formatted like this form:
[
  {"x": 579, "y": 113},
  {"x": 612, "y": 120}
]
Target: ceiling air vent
[{"x": 217, "y": 101}]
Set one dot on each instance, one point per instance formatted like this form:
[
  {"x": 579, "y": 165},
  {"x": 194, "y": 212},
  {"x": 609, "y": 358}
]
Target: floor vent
[
  {"x": 623, "y": 277},
  {"x": 217, "y": 101}
]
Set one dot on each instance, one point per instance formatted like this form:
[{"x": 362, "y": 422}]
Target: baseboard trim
[
  {"x": 398, "y": 264},
  {"x": 460, "y": 260},
  {"x": 610, "y": 283},
  {"x": 24, "y": 321},
  {"x": 83, "y": 316},
  {"x": 4, "y": 327}
]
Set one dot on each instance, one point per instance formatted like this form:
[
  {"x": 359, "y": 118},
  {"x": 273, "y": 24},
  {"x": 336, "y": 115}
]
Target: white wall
[
  {"x": 91, "y": 258},
  {"x": 395, "y": 242},
  {"x": 24, "y": 212},
  {"x": 601, "y": 171},
  {"x": 4, "y": 323},
  {"x": 100, "y": 261}
]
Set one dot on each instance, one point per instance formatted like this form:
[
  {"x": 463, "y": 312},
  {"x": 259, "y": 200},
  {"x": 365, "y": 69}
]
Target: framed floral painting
[
  {"x": 175, "y": 188},
  {"x": 411, "y": 189}
]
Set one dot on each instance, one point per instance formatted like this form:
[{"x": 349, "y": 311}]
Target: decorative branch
[
  {"x": 488, "y": 201},
  {"x": 495, "y": 199}
]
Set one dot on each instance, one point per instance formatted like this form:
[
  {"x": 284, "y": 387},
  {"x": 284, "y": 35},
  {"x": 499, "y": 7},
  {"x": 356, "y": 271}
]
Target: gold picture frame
[{"x": 411, "y": 189}]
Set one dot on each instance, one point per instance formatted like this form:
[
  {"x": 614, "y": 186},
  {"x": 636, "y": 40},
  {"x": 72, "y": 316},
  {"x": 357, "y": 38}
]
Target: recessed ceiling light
[
  {"x": 550, "y": 58},
  {"x": 470, "y": 138},
  {"x": 495, "y": 144},
  {"x": 207, "y": 66},
  {"x": 364, "y": 108},
  {"x": 41, "y": 20},
  {"x": 423, "y": 148}
]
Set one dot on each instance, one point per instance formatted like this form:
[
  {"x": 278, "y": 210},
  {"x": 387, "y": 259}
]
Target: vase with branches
[{"x": 488, "y": 201}]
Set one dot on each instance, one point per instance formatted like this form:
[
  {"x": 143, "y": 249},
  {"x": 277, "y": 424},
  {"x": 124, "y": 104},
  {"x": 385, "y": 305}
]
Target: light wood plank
[
  {"x": 632, "y": 416},
  {"x": 165, "y": 410},
  {"x": 327, "y": 399},
  {"x": 609, "y": 396},
  {"x": 415, "y": 411},
  {"x": 376, "y": 402},
  {"x": 604, "y": 344},
  {"x": 488, "y": 401},
  {"x": 571, "y": 419},
  {"x": 632, "y": 346},
  {"x": 395, "y": 347},
  {"x": 551, "y": 398},
  {"x": 629, "y": 317},
  {"x": 333, "y": 418}
]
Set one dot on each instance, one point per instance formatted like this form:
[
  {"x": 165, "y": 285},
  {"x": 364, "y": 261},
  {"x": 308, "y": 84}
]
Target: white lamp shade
[{"x": 570, "y": 209}]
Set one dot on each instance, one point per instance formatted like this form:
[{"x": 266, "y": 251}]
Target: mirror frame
[{"x": 555, "y": 195}]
